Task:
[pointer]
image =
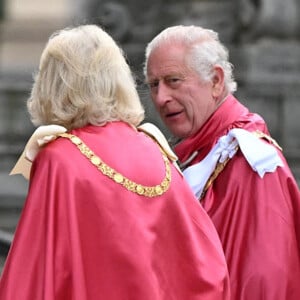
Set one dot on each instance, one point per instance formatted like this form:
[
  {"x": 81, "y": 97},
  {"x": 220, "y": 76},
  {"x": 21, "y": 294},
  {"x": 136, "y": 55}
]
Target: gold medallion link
[{"x": 147, "y": 191}]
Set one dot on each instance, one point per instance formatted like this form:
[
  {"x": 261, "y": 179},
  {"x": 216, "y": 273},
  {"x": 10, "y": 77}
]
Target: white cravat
[
  {"x": 261, "y": 157},
  {"x": 154, "y": 132},
  {"x": 42, "y": 135}
]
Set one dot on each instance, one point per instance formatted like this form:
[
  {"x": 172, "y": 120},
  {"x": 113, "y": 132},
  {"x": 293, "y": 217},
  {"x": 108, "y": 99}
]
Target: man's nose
[{"x": 163, "y": 94}]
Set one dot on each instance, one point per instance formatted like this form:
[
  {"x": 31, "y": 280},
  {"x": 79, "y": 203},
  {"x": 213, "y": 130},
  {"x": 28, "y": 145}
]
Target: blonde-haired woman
[
  {"x": 108, "y": 216},
  {"x": 84, "y": 79}
]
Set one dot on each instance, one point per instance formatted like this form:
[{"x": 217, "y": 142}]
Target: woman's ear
[{"x": 218, "y": 84}]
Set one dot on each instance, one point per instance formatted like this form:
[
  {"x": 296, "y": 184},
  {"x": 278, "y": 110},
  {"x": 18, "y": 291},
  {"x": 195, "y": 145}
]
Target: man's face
[{"x": 183, "y": 101}]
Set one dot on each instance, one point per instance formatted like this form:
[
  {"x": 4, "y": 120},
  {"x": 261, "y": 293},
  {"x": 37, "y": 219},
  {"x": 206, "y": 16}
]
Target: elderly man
[{"x": 236, "y": 170}]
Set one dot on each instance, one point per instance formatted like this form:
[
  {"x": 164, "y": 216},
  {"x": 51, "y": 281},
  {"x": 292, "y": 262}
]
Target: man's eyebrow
[{"x": 147, "y": 81}]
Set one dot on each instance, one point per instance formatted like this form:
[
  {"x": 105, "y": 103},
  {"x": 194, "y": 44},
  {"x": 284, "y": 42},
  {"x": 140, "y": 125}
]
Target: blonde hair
[{"x": 83, "y": 78}]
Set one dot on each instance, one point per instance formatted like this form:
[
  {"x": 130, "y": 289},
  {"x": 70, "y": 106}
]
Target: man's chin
[{"x": 178, "y": 132}]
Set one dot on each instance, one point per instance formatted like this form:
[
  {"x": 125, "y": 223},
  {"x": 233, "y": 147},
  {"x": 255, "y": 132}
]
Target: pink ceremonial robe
[
  {"x": 258, "y": 219},
  {"x": 82, "y": 236}
]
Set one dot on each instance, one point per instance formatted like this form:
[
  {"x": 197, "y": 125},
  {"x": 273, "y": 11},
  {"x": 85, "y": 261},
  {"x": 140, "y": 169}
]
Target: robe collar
[{"x": 221, "y": 121}]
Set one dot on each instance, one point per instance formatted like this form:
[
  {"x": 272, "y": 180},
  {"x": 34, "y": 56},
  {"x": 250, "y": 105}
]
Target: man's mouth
[{"x": 172, "y": 114}]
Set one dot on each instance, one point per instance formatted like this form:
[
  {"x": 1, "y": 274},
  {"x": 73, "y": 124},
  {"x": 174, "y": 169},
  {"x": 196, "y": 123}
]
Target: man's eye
[
  {"x": 153, "y": 84},
  {"x": 173, "y": 80}
]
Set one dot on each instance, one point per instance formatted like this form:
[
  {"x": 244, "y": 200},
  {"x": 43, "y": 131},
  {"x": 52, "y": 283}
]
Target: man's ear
[{"x": 218, "y": 82}]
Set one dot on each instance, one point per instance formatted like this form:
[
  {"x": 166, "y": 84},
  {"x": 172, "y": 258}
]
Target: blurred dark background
[{"x": 263, "y": 37}]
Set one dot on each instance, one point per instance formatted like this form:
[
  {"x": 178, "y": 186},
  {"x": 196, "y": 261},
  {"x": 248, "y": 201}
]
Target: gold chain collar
[{"x": 147, "y": 191}]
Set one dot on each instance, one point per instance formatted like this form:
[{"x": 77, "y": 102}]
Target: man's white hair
[{"x": 204, "y": 51}]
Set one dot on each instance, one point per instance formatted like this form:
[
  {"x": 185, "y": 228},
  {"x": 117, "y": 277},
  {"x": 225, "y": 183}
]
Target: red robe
[
  {"x": 82, "y": 236},
  {"x": 258, "y": 219}
]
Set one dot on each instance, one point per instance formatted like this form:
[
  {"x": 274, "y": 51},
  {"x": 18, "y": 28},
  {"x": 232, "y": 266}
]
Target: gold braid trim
[
  {"x": 220, "y": 166},
  {"x": 218, "y": 169},
  {"x": 147, "y": 191},
  {"x": 260, "y": 134}
]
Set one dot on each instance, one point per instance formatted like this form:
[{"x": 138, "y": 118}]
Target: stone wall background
[{"x": 263, "y": 37}]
